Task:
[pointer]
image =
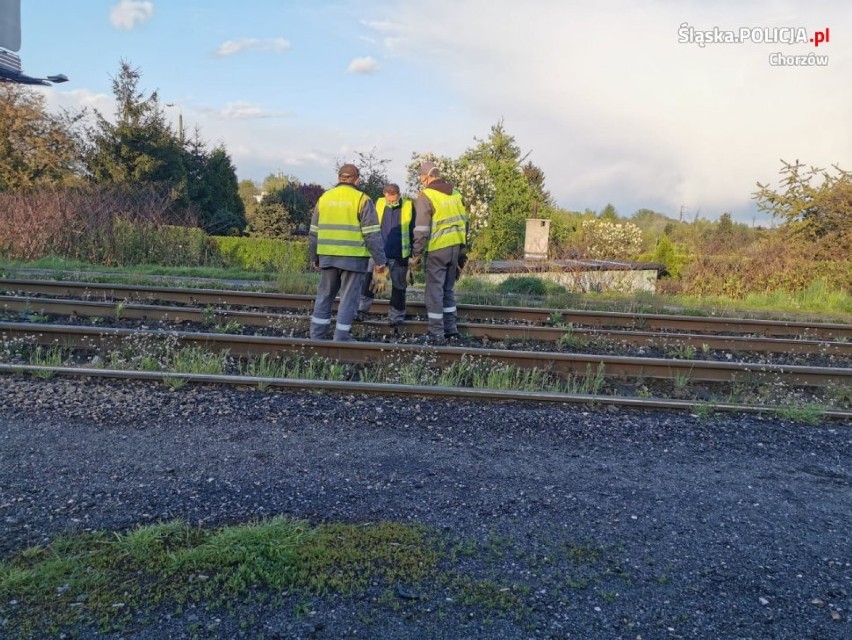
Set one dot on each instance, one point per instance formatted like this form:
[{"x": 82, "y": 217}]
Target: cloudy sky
[{"x": 616, "y": 101}]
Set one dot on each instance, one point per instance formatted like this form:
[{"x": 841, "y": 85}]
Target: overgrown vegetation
[
  {"x": 114, "y": 581},
  {"x": 132, "y": 190},
  {"x": 818, "y": 298},
  {"x": 103, "y": 579},
  {"x": 141, "y": 149}
]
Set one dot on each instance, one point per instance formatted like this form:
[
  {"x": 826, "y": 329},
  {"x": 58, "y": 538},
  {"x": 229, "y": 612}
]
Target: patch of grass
[
  {"x": 804, "y": 414},
  {"x": 263, "y": 366},
  {"x": 101, "y": 578},
  {"x": 59, "y": 265},
  {"x": 49, "y": 357},
  {"x": 109, "y": 582},
  {"x": 315, "y": 368},
  {"x": 817, "y": 299},
  {"x": 704, "y": 411},
  {"x": 39, "y": 318},
  {"x": 174, "y": 382},
  {"x": 681, "y": 351},
  {"x": 583, "y": 553},
  {"x": 208, "y": 315},
  {"x": 489, "y": 595},
  {"x": 524, "y": 285},
  {"x": 230, "y": 327},
  {"x": 198, "y": 360},
  {"x": 297, "y": 282},
  {"x": 148, "y": 363},
  {"x": 840, "y": 395},
  {"x": 571, "y": 339},
  {"x": 592, "y": 383},
  {"x": 680, "y": 381},
  {"x": 608, "y": 596}
]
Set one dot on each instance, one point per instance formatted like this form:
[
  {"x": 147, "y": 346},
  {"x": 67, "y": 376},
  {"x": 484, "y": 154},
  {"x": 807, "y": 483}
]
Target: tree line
[
  {"x": 137, "y": 150},
  {"x": 195, "y": 184}
]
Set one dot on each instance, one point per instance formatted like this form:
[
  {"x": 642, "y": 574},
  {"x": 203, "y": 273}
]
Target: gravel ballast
[{"x": 731, "y": 526}]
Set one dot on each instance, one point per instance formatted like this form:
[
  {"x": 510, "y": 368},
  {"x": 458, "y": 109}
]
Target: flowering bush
[
  {"x": 611, "y": 240},
  {"x": 473, "y": 181}
]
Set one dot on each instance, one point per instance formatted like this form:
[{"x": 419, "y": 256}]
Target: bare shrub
[
  {"x": 112, "y": 226},
  {"x": 774, "y": 264}
]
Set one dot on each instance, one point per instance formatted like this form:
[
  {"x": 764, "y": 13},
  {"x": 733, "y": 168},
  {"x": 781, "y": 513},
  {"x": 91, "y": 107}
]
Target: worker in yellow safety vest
[
  {"x": 396, "y": 217},
  {"x": 344, "y": 235},
  {"x": 440, "y": 234}
]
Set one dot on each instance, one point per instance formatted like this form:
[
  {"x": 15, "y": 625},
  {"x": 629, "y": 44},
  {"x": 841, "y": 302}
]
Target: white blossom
[{"x": 611, "y": 240}]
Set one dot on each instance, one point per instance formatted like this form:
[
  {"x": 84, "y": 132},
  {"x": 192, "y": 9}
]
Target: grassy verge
[
  {"x": 115, "y": 581},
  {"x": 104, "y": 579},
  {"x": 817, "y": 303},
  {"x": 60, "y": 265}
]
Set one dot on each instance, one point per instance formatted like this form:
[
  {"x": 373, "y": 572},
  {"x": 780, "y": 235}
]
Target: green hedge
[
  {"x": 138, "y": 243},
  {"x": 263, "y": 254},
  {"x": 675, "y": 262}
]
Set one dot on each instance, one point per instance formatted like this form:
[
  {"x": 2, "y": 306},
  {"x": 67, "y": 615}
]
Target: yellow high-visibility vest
[
  {"x": 338, "y": 229},
  {"x": 448, "y": 220},
  {"x": 405, "y": 218}
]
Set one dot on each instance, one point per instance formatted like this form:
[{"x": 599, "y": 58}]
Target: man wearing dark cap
[
  {"x": 396, "y": 216},
  {"x": 344, "y": 234},
  {"x": 440, "y": 234}
]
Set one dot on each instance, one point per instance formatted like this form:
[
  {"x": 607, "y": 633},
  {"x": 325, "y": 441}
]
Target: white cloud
[
  {"x": 383, "y": 26},
  {"x": 230, "y": 47},
  {"x": 128, "y": 14},
  {"x": 78, "y": 99},
  {"x": 246, "y": 110},
  {"x": 394, "y": 35},
  {"x": 613, "y": 108},
  {"x": 363, "y": 65}
]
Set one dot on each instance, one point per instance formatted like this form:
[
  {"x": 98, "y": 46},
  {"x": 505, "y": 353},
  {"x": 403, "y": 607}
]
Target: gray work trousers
[
  {"x": 399, "y": 284},
  {"x": 332, "y": 280},
  {"x": 440, "y": 295}
]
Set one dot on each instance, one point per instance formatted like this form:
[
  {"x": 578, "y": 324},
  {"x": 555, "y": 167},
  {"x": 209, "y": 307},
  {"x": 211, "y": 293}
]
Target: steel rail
[
  {"x": 462, "y": 393},
  {"x": 354, "y": 352},
  {"x": 595, "y": 319},
  {"x": 85, "y": 308}
]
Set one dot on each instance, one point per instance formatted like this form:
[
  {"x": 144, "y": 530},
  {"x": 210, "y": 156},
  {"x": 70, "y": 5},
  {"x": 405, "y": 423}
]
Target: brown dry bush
[
  {"x": 112, "y": 226},
  {"x": 774, "y": 264}
]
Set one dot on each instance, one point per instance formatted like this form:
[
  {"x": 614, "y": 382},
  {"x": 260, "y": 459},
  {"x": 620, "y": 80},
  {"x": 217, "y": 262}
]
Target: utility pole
[{"x": 180, "y": 120}]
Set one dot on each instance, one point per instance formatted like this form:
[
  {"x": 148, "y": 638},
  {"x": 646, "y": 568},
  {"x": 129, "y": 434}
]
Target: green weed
[
  {"x": 197, "y": 360},
  {"x": 50, "y": 357},
  {"x": 681, "y": 351},
  {"x": 805, "y": 414},
  {"x": 230, "y": 327},
  {"x": 174, "y": 382}
]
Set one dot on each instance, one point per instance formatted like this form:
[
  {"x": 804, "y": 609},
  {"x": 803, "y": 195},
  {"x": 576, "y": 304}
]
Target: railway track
[
  {"x": 468, "y": 313},
  {"x": 488, "y": 331},
  {"x": 368, "y": 353},
  {"x": 410, "y": 390},
  {"x": 177, "y": 305}
]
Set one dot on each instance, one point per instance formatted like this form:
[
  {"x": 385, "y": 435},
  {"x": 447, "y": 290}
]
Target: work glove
[
  {"x": 462, "y": 260},
  {"x": 413, "y": 265},
  {"x": 380, "y": 283}
]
